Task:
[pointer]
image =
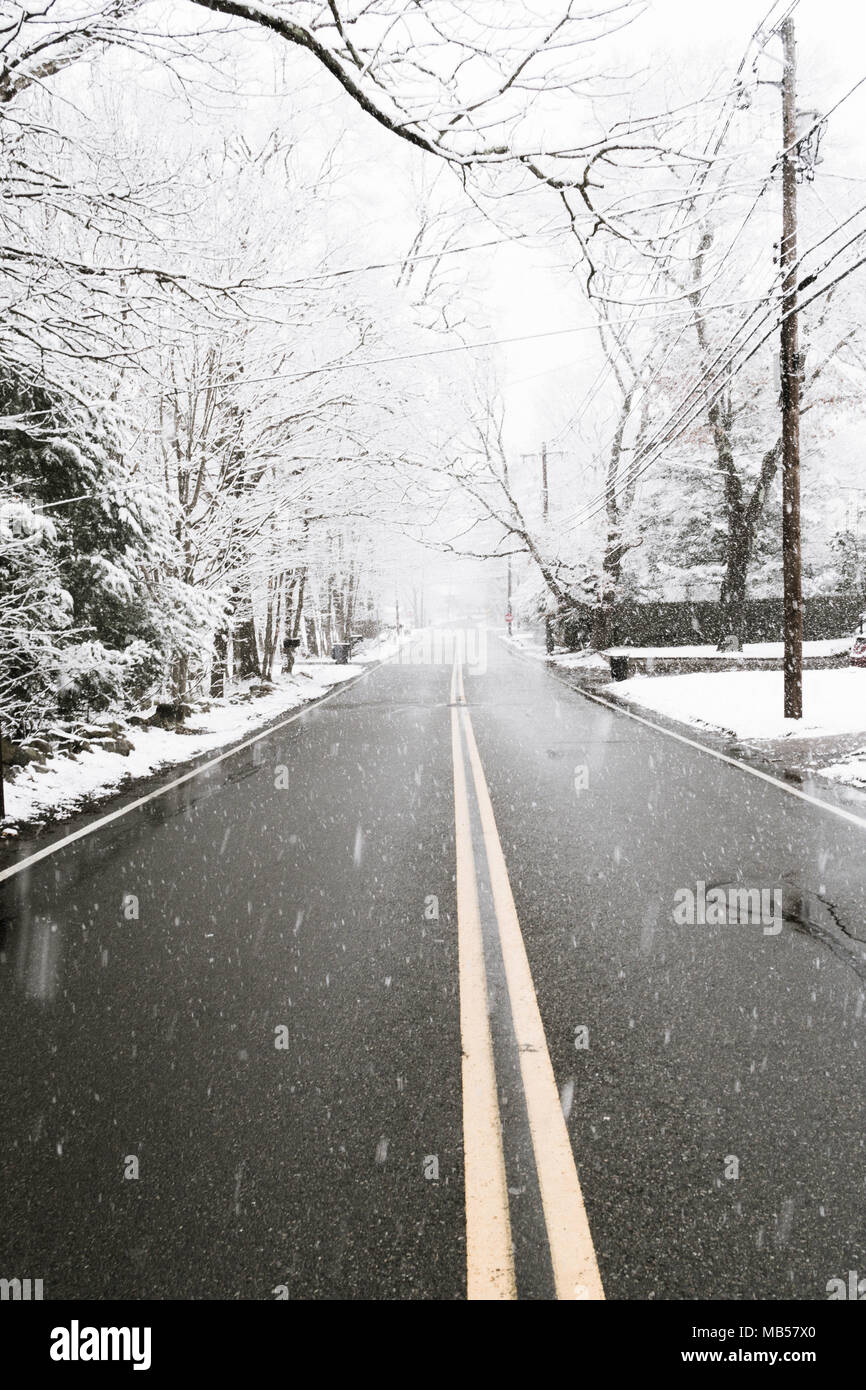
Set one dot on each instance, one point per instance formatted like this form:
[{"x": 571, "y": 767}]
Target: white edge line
[
  {"x": 23, "y": 864},
  {"x": 713, "y": 752}
]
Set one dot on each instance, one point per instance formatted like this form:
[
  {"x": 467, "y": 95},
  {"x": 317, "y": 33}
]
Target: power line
[
  {"x": 710, "y": 373},
  {"x": 603, "y": 496},
  {"x": 635, "y": 319},
  {"x": 438, "y": 352},
  {"x": 699, "y": 177},
  {"x": 651, "y": 453},
  {"x": 404, "y": 260}
]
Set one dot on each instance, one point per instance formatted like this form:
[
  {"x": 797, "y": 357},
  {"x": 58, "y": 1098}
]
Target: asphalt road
[{"x": 248, "y": 991}]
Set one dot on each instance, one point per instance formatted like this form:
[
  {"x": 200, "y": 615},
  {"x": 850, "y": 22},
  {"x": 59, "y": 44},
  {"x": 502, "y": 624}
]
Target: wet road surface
[{"x": 235, "y": 1061}]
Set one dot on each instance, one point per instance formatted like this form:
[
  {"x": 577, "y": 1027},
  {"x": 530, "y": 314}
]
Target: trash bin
[
  {"x": 340, "y": 652},
  {"x": 619, "y": 667}
]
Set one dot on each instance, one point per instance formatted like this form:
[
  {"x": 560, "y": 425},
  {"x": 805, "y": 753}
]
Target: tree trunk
[
  {"x": 611, "y": 565},
  {"x": 741, "y": 516},
  {"x": 351, "y": 598},
  {"x": 272, "y": 626},
  {"x": 219, "y": 666},
  {"x": 338, "y": 609},
  {"x": 732, "y": 598},
  {"x": 742, "y": 524},
  {"x": 246, "y": 650},
  {"x": 299, "y": 611},
  {"x": 603, "y": 615},
  {"x": 180, "y": 678},
  {"x": 244, "y": 644}
]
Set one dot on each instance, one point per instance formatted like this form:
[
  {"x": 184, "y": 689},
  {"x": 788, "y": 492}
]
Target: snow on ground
[
  {"x": 851, "y": 770},
  {"x": 748, "y": 704},
  {"x": 66, "y": 784},
  {"x": 578, "y": 661},
  {"x": 529, "y": 646},
  {"x": 758, "y": 650}
]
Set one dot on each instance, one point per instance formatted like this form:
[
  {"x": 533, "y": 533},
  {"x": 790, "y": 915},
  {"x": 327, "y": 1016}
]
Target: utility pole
[
  {"x": 790, "y": 374},
  {"x": 545, "y": 491},
  {"x": 508, "y": 598},
  {"x": 545, "y": 508}
]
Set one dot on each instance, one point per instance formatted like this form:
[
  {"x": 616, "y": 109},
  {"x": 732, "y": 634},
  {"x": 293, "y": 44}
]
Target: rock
[
  {"x": 62, "y": 740},
  {"x": 41, "y": 742},
  {"x": 169, "y": 714},
  {"x": 118, "y": 745},
  {"x": 29, "y": 753}
]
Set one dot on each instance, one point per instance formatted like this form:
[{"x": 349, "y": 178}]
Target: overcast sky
[
  {"x": 697, "y": 40},
  {"x": 676, "y": 49}
]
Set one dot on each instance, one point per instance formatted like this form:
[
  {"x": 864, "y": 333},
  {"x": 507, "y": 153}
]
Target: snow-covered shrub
[
  {"x": 91, "y": 676},
  {"x": 85, "y": 617},
  {"x": 35, "y": 613}
]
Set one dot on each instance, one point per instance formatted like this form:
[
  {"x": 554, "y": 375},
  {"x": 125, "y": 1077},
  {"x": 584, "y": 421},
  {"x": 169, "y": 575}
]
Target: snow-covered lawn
[
  {"x": 65, "y": 784},
  {"x": 748, "y": 704}
]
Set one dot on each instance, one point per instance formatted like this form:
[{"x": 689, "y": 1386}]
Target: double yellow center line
[{"x": 489, "y": 1250}]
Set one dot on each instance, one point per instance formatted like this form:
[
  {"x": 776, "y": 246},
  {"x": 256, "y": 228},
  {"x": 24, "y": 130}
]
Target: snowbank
[
  {"x": 851, "y": 770},
  {"x": 64, "y": 784}
]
